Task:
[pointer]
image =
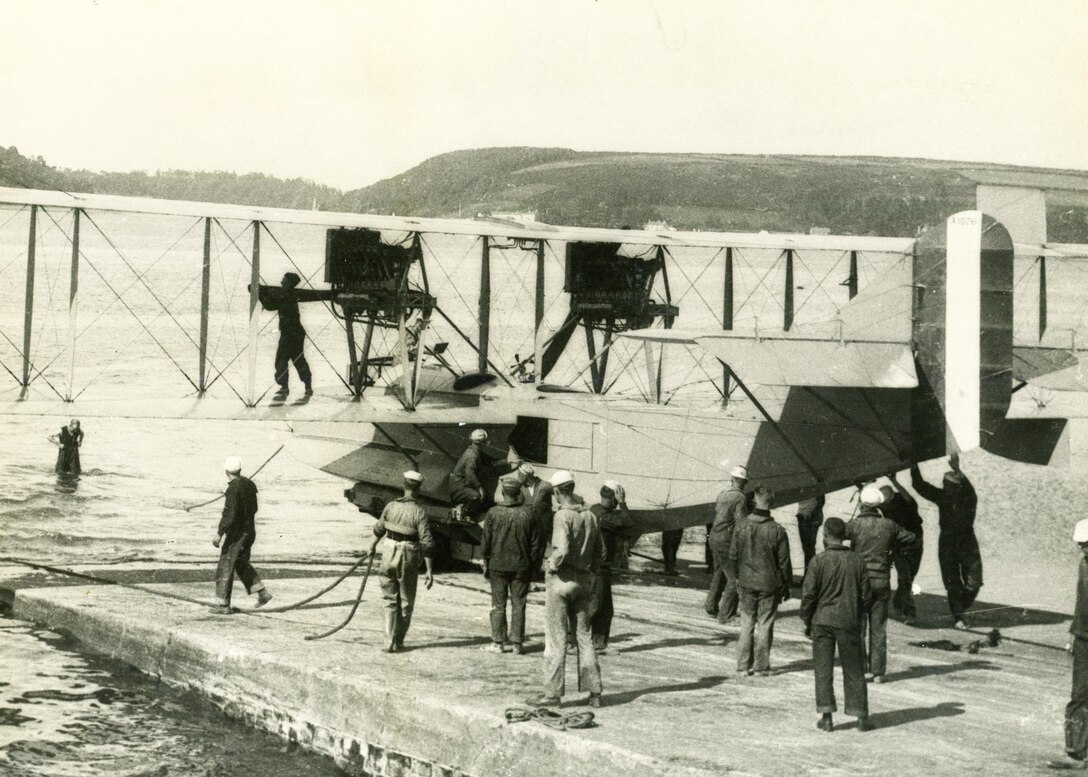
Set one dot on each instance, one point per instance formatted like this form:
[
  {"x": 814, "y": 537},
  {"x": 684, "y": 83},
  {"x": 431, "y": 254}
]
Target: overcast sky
[{"x": 347, "y": 93}]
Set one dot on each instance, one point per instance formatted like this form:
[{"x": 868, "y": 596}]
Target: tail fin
[{"x": 963, "y": 334}]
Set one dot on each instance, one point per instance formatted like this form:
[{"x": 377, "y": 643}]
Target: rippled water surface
[
  {"x": 63, "y": 712},
  {"x": 66, "y": 714}
]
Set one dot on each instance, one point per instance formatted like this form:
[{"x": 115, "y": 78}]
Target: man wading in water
[{"x": 68, "y": 440}]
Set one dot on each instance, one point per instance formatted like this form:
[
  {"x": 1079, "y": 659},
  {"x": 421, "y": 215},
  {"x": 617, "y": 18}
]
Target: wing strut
[{"x": 774, "y": 424}]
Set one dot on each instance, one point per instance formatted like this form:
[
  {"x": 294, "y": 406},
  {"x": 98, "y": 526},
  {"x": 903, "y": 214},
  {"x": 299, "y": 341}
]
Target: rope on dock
[
  {"x": 550, "y": 717},
  {"x": 178, "y": 597}
]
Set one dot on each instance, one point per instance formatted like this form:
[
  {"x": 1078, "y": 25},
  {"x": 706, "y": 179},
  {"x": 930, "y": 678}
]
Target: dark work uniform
[
  {"x": 68, "y": 455},
  {"x": 670, "y": 546},
  {"x": 810, "y": 516},
  {"x": 907, "y": 559},
  {"x": 406, "y": 538},
  {"x": 511, "y": 544},
  {"x": 470, "y": 475},
  {"x": 613, "y": 521},
  {"x": 239, "y": 531},
  {"x": 760, "y": 552},
  {"x": 730, "y": 507},
  {"x": 874, "y": 538},
  {"x": 957, "y": 547},
  {"x": 1076, "y": 712},
  {"x": 292, "y": 335},
  {"x": 833, "y": 603}
]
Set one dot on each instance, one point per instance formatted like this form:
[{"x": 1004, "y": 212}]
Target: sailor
[
  {"x": 510, "y": 547},
  {"x": 834, "y": 598},
  {"x": 292, "y": 335},
  {"x": 577, "y": 555},
  {"x": 237, "y": 532},
  {"x": 405, "y": 536},
  {"x": 875, "y": 538},
  {"x": 1076, "y": 712},
  {"x": 760, "y": 552},
  {"x": 730, "y": 508},
  {"x": 614, "y": 520},
  {"x": 810, "y": 514},
  {"x": 68, "y": 441},
  {"x": 957, "y": 547},
  {"x": 471, "y": 482},
  {"x": 902, "y": 508}
]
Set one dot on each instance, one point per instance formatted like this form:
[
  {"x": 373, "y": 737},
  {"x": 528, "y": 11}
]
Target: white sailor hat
[
  {"x": 1080, "y": 531},
  {"x": 413, "y": 477},
  {"x": 871, "y": 496},
  {"x": 478, "y": 435},
  {"x": 739, "y": 471},
  {"x": 527, "y": 468},
  {"x": 561, "y": 477},
  {"x": 232, "y": 464},
  {"x": 611, "y": 485}
]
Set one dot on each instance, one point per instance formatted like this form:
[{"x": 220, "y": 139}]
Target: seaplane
[{"x": 658, "y": 359}]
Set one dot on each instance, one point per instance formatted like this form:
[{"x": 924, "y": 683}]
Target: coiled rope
[{"x": 550, "y": 717}]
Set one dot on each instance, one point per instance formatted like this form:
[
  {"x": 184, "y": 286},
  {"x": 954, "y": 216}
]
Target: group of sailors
[{"x": 544, "y": 528}]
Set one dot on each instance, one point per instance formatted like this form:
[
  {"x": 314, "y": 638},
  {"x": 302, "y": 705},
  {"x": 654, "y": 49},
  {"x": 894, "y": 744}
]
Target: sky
[{"x": 347, "y": 92}]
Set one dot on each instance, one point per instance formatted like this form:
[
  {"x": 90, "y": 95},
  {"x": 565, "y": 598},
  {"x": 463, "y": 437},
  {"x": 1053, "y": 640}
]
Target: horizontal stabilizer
[
  {"x": 1052, "y": 368},
  {"x": 1042, "y": 441},
  {"x": 794, "y": 361}
]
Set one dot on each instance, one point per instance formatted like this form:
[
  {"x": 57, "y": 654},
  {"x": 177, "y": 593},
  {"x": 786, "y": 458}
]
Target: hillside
[
  {"x": 249, "y": 189},
  {"x": 846, "y": 195},
  {"x": 852, "y": 195}
]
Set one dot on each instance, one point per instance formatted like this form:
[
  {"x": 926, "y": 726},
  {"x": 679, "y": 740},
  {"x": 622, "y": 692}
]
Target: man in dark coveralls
[
  {"x": 833, "y": 601},
  {"x": 875, "y": 538},
  {"x": 510, "y": 547},
  {"x": 902, "y": 509},
  {"x": 1076, "y": 712},
  {"x": 405, "y": 536},
  {"x": 760, "y": 552},
  {"x": 613, "y": 519},
  {"x": 292, "y": 336},
  {"x": 730, "y": 507},
  {"x": 810, "y": 515},
  {"x": 471, "y": 484},
  {"x": 237, "y": 533},
  {"x": 957, "y": 547}
]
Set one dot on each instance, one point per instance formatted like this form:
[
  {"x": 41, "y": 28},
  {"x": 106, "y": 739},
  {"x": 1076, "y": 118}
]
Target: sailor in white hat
[
  {"x": 1076, "y": 712},
  {"x": 237, "y": 533},
  {"x": 875, "y": 538},
  {"x": 731, "y": 506},
  {"x": 405, "y": 536},
  {"x": 475, "y": 477},
  {"x": 576, "y": 558}
]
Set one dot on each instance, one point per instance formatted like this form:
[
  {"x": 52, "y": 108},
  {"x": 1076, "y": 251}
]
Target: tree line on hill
[{"x": 844, "y": 195}]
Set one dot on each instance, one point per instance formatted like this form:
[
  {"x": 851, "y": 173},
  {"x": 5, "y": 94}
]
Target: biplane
[{"x": 656, "y": 359}]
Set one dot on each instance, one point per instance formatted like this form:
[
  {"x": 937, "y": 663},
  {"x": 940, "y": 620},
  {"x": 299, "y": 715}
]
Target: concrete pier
[{"x": 674, "y": 704}]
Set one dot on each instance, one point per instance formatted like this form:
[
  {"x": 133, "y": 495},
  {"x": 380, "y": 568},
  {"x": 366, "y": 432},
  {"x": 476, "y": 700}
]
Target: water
[{"x": 66, "y": 714}]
